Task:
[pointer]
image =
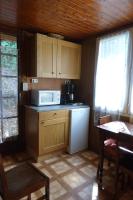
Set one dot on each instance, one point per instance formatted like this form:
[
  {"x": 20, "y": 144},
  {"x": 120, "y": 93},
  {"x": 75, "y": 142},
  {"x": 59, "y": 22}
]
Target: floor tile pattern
[
  {"x": 72, "y": 177},
  {"x": 60, "y": 167}
]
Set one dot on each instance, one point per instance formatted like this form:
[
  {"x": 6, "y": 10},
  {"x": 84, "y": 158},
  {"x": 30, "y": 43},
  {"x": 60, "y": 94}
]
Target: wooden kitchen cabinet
[
  {"x": 46, "y": 50},
  {"x": 53, "y": 135},
  {"x": 46, "y": 131},
  {"x": 69, "y": 60},
  {"x": 57, "y": 58}
]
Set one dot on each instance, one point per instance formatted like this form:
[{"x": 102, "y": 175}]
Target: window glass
[
  {"x": 112, "y": 71},
  {"x": 9, "y": 47},
  {"x": 9, "y": 107},
  {"x": 8, "y": 87},
  {"x": 9, "y": 65},
  {"x": 10, "y": 127}
]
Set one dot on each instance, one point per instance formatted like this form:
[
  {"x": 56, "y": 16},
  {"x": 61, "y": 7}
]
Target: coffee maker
[{"x": 69, "y": 92}]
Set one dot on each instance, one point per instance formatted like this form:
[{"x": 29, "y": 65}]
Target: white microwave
[{"x": 45, "y": 97}]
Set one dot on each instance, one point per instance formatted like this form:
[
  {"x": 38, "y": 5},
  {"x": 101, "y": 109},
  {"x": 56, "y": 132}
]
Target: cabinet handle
[
  {"x": 42, "y": 122},
  {"x": 59, "y": 72},
  {"x": 52, "y": 72},
  {"x": 55, "y": 113}
]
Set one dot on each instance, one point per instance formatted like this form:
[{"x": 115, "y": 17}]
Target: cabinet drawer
[{"x": 52, "y": 115}]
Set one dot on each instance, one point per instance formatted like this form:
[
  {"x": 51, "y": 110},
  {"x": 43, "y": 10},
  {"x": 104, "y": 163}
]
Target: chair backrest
[
  {"x": 124, "y": 118},
  {"x": 104, "y": 119},
  {"x": 3, "y": 182}
]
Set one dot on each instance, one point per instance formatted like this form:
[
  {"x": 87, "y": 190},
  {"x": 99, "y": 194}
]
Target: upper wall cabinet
[
  {"x": 46, "y": 59},
  {"x": 68, "y": 60},
  {"x": 57, "y": 58}
]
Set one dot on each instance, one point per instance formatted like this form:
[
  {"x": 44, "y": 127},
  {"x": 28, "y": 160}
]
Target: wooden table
[
  {"x": 116, "y": 127},
  {"x": 112, "y": 130}
]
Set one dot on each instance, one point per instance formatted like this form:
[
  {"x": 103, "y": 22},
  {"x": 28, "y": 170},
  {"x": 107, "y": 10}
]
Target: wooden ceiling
[{"x": 75, "y": 19}]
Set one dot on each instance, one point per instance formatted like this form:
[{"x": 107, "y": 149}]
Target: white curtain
[
  {"x": 112, "y": 81},
  {"x": 130, "y": 111}
]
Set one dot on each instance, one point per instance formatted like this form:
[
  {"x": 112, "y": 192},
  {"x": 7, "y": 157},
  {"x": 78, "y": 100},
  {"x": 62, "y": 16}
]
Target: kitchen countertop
[{"x": 57, "y": 107}]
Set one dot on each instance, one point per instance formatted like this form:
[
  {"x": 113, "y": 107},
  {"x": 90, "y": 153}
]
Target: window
[
  {"x": 113, "y": 73},
  {"x": 8, "y": 87}
]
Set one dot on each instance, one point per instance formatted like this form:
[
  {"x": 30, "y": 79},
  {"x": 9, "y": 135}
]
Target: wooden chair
[
  {"x": 109, "y": 143},
  {"x": 124, "y": 161},
  {"x": 21, "y": 181},
  {"x": 109, "y": 150},
  {"x": 104, "y": 119},
  {"x": 118, "y": 150}
]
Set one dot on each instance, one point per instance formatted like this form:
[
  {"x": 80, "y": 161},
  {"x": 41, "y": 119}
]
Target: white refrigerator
[{"x": 79, "y": 129}]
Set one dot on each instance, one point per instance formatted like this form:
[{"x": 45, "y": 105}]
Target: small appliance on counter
[
  {"x": 45, "y": 97},
  {"x": 68, "y": 92}
]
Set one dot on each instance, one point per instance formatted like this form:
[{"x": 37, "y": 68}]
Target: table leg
[
  {"x": 47, "y": 190},
  {"x": 101, "y": 162}
]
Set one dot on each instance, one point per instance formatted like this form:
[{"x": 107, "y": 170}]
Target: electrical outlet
[{"x": 34, "y": 80}]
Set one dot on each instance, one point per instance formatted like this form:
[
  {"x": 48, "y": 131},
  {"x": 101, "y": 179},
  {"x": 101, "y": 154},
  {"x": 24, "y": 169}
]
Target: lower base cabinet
[{"x": 46, "y": 131}]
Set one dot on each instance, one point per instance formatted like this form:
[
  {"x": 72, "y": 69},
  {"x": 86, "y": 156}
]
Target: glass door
[{"x": 8, "y": 87}]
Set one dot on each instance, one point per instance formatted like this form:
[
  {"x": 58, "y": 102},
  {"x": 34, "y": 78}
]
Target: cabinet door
[
  {"x": 53, "y": 135},
  {"x": 68, "y": 60},
  {"x": 46, "y": 56}
]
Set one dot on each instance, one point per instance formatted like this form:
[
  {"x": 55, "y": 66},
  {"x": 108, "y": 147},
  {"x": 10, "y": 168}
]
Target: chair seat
[
  {"x": 110, "y": 142},
  {"x": 24, "y": 179},
  {"x": 110, "y": 148}
]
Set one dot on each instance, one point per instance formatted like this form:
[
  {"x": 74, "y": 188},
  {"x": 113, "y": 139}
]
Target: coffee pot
[{"x": 69, "y": 90}]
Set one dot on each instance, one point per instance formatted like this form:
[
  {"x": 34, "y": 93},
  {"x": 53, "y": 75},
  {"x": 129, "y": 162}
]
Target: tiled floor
[{"x": 72, "y": 177}]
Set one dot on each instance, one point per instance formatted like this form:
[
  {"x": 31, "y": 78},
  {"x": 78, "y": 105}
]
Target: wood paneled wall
[
  {"x": 43, "y": 83},
  {"x": 87, "y": 86}
]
